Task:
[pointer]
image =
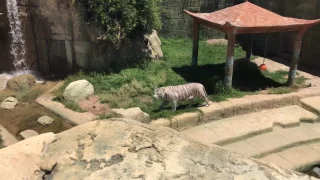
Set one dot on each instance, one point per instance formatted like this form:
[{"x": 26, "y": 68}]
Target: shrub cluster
[{"x": 122, "y": 18}]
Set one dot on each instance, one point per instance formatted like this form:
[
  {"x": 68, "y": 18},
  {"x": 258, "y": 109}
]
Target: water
[{"x": 17, "y": 46}]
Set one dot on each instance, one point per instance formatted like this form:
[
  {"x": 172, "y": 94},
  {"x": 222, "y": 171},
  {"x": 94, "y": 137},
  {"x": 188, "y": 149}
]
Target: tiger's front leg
[
  {"x": 162, "y": 105},
  {"x": 174, "y": 106}
]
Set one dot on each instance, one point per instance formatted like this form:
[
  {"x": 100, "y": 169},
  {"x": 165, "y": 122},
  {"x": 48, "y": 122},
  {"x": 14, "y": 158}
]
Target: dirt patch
[
  {"x": 94, "y": 106},
  {"x": 25, "y": 115},
  {"x": 217, "y": 41}
]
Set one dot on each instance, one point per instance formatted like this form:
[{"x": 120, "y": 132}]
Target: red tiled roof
[{"x": 247, "y": 17}]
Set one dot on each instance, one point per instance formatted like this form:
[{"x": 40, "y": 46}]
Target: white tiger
[{"x": 181, "y": 92}]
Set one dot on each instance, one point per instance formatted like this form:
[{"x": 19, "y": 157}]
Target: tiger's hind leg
[
  {"x": 207, "y": 102},
  {"x": 191, "y": 101}
]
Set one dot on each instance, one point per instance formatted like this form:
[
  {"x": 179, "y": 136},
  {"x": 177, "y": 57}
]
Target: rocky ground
[{"x": 126, "y": 149}]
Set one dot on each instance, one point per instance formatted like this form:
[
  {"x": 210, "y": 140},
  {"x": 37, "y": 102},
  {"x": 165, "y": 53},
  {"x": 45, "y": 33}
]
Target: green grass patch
[
  {"x": 68, "y": 104},
  {"x": 134, "y": 87},
  {"x": 281, "y": 77}
]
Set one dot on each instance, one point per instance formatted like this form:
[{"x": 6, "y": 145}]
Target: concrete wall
[
  {"x": 177, "y": 23},
  {"x": 280, "y": 43}
]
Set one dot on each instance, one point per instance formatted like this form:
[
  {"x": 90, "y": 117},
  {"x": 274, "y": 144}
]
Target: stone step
[
  {"x": 312, "y": 104},
  {"x": 7, "y": 138},
  {"x": 298, "y": 158},
  {"x": 237, "y": 128},
  {"x": 277, "y": 140}
]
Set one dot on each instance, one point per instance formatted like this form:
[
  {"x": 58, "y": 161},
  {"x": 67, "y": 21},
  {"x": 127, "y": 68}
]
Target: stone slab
[
  {"x": 278, "y": 161},
  {"x": 263, "y": 120},
  {"x": 242, "y": 147},
  {"x": 232, "y": 129},
  {"x": 236, "y": 128},
  {"x": 201, "y": 133},
  {"x": 315, "y": 127},
  {"x": 28, "y": 134},
  {"x": 292, "y": 115},
  {"x": 7, "y": 138},
  {"x": 298, "y": 134},
  {"x": 301, "y": 157},
  {"x": 72, "y": 117},
  {"x": 316, "y": 146},
  {"x": 268, "y": 142},
  {"x": 312, "y": 104}
]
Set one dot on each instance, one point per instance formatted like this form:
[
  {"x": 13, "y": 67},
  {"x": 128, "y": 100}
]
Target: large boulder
[
  {"x": 154, "y": 45},
  {"x": 9, "y": 103},
  {"x": 45, "y": 120},
  {"x": 124, "y": 149},
  {"x": 132, "y": 113},
  {"x": 21, "y": 82},
  {"x": 78, "y": 90}
]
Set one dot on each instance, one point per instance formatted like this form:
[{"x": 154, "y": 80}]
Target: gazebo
[{"x": 248, "y": 18}]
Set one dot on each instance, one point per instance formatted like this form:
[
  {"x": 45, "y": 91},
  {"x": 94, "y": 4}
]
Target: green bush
[{"x": 121, "y": 18}]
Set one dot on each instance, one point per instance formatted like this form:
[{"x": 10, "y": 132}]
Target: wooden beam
[
  {"x": 195, "y": 36},
  {"x": 229, "y": 61},
  {"x": 295, "y": 57}
]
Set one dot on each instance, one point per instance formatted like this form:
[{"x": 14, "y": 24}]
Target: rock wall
[
  {"x": 59, "y": 40},
  {"x": 6, "y": 62}
]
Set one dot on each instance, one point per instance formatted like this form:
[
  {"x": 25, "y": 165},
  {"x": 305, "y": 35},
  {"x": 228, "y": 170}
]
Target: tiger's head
[{"x": 159, "y": 93}]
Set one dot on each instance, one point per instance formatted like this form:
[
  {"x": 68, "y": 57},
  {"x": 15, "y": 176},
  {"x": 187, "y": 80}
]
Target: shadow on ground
[{"x": 246, "y": 77}]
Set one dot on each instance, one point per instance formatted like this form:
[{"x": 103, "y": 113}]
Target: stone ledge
[
  {"x": 7, "y": 138},
  {"x": 237, "y": 106},
  {"x": 72, "y": 117},
  {"x": 312, "y": 104},
  {"x": 186, "y": 120}
]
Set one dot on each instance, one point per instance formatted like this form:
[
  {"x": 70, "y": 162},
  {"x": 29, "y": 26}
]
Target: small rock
[
  {"x": 28, "y": 134},
  {"x": 133, "y": 113},
  {"x": 9, "y": 103},
  {"x": 21, "y": 83},
  {"x": 316, "y": 170},
  {"x": 78, "y": 90},
  {"x": 45, "y": 120}
]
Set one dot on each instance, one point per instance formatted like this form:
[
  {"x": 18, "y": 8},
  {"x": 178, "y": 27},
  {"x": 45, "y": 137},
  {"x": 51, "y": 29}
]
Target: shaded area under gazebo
[{"x": 248, "y": 18}]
